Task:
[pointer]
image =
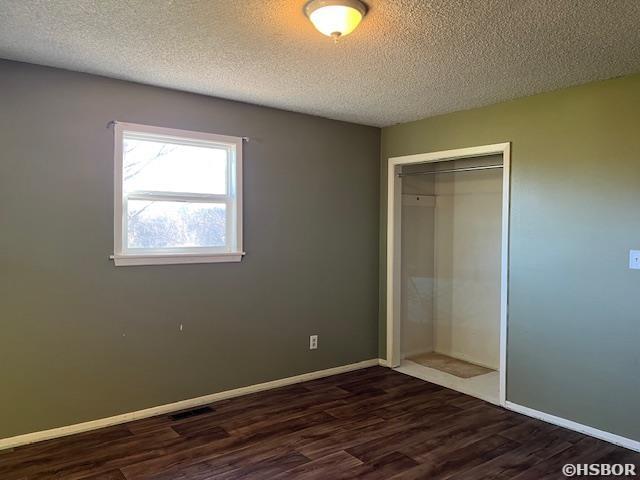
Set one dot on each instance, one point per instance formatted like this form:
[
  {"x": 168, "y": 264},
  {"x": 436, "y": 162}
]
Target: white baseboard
[
  {"x": 383, "y": 362},
  {"x": 578, "y": 427},
  {"x": 414, "y": 353},
  {"x": 27, "y": 438}
]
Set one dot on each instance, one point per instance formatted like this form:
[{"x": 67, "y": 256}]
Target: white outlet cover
[{"x": 634, "y": 259}]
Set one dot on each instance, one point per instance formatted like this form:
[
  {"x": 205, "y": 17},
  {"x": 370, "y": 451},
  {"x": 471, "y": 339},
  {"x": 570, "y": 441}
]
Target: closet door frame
[{"x": 394, "y": 231}]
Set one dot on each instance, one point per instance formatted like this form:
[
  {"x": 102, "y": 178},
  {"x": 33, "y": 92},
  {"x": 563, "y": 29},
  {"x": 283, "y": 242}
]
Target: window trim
[{"x": 233, "y": 200}]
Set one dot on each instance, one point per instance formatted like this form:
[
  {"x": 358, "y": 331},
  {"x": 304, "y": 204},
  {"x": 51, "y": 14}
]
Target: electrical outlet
[
  {"x": 634, "y": 259},
  {"x": 313, "y": 342}
]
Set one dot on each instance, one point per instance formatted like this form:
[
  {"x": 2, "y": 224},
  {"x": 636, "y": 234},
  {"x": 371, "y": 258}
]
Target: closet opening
[{"x": 447, "y": 268}]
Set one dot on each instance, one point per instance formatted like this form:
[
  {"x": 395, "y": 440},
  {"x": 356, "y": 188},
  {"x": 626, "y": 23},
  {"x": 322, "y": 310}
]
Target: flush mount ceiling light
[{"x": 335, "y": 18}]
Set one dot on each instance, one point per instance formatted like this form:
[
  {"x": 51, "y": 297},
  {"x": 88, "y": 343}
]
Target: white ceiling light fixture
[{"x": 335, "y": 18}]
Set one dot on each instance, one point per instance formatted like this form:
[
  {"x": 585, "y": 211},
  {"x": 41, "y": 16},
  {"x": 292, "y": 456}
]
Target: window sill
[{"x": 175, "y": 258}]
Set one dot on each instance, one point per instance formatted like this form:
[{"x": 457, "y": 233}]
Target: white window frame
[{"x": 231, "y": 252}]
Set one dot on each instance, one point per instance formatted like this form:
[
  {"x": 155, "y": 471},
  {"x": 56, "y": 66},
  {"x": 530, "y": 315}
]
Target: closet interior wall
[{"x": 451, "y": 249}]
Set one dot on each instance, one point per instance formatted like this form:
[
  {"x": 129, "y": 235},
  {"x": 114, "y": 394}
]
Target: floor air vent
[{"x": 191, "y": 413}]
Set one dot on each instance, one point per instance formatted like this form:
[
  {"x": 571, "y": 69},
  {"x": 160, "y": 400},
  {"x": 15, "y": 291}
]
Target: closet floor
[
  {"x": 485, "y": 387},
  {"x": 451, "y": 365}
]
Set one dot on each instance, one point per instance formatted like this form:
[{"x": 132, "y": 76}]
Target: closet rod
[{"x": 467, "y": 169}]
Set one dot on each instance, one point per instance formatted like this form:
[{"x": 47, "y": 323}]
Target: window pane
[
  {"x": 162, "y": 166},
  {"x": 159, "y": 224}
]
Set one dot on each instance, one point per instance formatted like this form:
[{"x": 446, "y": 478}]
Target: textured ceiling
[{"x": 409, "y": 59}]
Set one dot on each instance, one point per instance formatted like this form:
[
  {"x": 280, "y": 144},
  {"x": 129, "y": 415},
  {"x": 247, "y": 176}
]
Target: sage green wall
[
  {"x": 574, "y": 316},
  {"x": 81, "y": 339}
]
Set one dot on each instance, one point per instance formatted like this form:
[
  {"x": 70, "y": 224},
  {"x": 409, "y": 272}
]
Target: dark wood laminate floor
[{"x": 368, "y": 424}]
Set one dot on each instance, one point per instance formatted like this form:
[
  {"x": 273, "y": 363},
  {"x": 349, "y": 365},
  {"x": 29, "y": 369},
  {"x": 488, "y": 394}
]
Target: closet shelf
[{"x": 452, "y": 170}]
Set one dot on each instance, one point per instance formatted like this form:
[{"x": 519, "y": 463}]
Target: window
[{"x": 178, "y": 196}]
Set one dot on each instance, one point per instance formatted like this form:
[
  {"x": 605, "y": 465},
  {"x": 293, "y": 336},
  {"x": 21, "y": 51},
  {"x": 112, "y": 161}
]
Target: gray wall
[
  {"x": 81, "y": 339},
  {"x": 574, "y": 322}
]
